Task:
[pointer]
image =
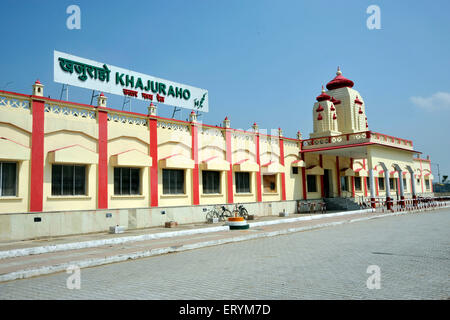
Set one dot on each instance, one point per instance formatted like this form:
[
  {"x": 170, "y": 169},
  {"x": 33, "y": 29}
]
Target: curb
[
  {"x": 28, "y": 273},
  {"x": 308, "y": 218},
  {"x": 98, "y": 243}
]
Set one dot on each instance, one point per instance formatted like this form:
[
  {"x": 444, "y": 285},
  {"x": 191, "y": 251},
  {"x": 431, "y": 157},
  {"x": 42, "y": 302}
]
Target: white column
[
  {"x": 413, "y": 183},
  {"x": 372, "y": 183},
  {"x": 402, "y": 190},
  {"x": 387, "y": 185}
]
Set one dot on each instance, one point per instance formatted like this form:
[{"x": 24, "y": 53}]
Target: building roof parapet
[
  {"x": 345, "y": 140},
  {"x": 87, "y": 111}
]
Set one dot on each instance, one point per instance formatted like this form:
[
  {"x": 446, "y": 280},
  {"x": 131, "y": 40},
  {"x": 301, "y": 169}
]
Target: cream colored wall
[
  {"x": 176, "y": 199},
  {"x": 243, "y": 146},
  {"x": 389, "y": 157},
  {"x": 214, "y": 198},
  {"x": 20, "y": 202},
  {"x": 123, "y": 137},
  {"x": 246, "y": 197},
  {"x": 327, "y": 126},
  {"x": 269, "y": 196},
  {"x": 312, "y": 159},
  {"x": 294, "y": 188},
  {"x": 16, "y": 125},
  {"x": 175, "y": 138},
  {"x": 329, "y": 162},
  {"x": 404, "y": 159},
  {"x": 422, "y": 166},
  {"x": 358, "y": 164},
  {"x": 269, "y": 149},
  {"x": 349, "y": 120},
  {"x": 211, "y": 143},
  {"x": 64, "y": 130}
]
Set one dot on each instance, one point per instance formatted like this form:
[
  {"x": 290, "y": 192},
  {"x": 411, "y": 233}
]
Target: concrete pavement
[
  {"x": 326, "y": 263},
  {"x": 26, "y": 259}
]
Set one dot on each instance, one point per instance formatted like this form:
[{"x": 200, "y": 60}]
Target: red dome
[
  {"x": 335, "y": 101},
  {"x": 339, "y": 82},
  {"x": 358, "y": 101},
  {"x": 319, "y": 108},
  {"x": 323, "y": 96}
]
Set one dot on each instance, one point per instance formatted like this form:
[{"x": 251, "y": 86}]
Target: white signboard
[{"x": 89, "y": 74}]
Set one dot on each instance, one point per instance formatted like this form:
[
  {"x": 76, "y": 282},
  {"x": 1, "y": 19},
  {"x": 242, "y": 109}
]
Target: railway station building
[{"x": 70, "y": 168}]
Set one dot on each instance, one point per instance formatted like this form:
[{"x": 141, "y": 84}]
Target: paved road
[{"x": 412, "y": 251}]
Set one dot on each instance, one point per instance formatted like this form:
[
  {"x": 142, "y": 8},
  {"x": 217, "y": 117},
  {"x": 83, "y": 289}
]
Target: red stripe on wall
[
  {"x": 152, "y": 124},
  {"x": 305, "y": 194},
  {"x": 37, "y": 157},
  {"x": 365, "y": 179},
  {"x": 353, "y": 178},
  {"x": 258, "y": 174},
  {"x": 421, "y": 175},
  {"x": 376, "y": 186},
  {"x": 102, "y": 159},
  {"x": 195, "y": 171},
  {"x": 229, "y": 153},
  {"x": 322, "y": 189},
  {"x": 338, "y": 176},
  {"x": 283, "y": 175}
]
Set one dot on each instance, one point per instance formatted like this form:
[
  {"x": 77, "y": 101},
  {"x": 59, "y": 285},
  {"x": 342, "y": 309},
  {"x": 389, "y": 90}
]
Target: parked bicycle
[
  {"x": 219, "y": 212},
  {"x": 223, "y": 213},
  {"x": 211, "y": 214},
  {"x": 240, "y": 211}
]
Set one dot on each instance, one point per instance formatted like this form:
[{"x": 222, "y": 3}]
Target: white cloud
[{"x": 437, "y": 101}]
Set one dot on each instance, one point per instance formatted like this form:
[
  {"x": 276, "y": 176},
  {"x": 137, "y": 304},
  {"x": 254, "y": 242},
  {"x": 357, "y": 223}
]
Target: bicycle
[
  {"x": 211, "y": 215},
  {"x": 219, "y": 212},
  {"x": 224, "y": 214},
  {"x": 239, "y": 210}
]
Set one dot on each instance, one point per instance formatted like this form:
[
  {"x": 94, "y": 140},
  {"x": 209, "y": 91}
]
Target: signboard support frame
[{"x": 65, "y": 87}]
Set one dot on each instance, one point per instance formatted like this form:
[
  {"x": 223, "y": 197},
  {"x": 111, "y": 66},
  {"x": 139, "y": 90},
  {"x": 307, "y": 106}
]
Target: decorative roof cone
[
  {"x": 339, "y": 81},
  {"x": 152, "y": 109},
  {"x": 193, "y": 116},
  {"x": 323, "y": 96},
  {"x": 101, "y": 100},
  {"x": 226, "y": 123},
  {"x": 280, "y": 132},
  {"x": 38, "y": 89}
]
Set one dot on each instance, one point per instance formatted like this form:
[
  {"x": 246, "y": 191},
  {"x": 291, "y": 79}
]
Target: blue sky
[{"x": 261, "y": 61}]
